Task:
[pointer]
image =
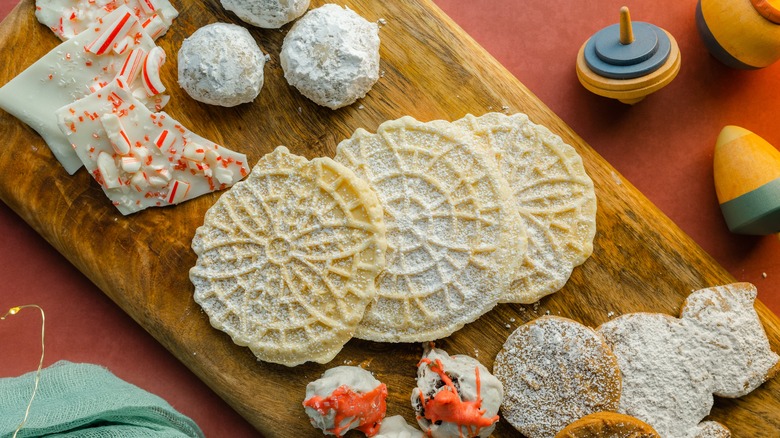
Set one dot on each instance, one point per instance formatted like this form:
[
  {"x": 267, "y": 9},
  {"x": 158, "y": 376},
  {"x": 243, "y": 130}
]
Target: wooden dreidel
[
  {"x": 747, "y": 181},
  {"x": 627, "y": 61},
  {"x": 741, "y": 34}
]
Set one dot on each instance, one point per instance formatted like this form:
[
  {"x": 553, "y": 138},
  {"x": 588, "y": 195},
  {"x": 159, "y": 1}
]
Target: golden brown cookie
[
  {"x": 608, "y": 425},
  {"x": 554, "y": 371}
]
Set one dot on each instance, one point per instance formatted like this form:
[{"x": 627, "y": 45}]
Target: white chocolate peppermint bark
[
  {"x": 143, "y": 159},
  {"x": 77, "y": 68},
  {"x": 68, "y": 18}
]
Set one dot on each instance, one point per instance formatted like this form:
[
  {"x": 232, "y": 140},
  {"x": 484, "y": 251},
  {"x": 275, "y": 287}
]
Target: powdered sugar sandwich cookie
[
  {"x": 456, "y": 396},
  {"x": 671, "y": 367},
  {"x": 347, "y": 398},
  {"x": 555, "y": 371},
  {"x": 608, "y": 425},
  {"x": 268, "y": 14},
  {"x": 331, "y": 56},
  {"x": 221, "y": 64}
]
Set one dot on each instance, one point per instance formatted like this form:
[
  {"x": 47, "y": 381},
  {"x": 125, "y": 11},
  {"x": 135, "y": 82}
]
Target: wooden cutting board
[{"x": 431, "y": 69}]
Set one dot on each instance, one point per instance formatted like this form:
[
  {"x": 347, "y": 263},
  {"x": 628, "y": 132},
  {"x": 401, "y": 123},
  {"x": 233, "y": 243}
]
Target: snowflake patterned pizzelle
[
  {"x": 452, "y": 234},
  {"x": 287, "y": 259},
  {"x": 554, "y": 195},
  {"x": 143, "y": 159}
]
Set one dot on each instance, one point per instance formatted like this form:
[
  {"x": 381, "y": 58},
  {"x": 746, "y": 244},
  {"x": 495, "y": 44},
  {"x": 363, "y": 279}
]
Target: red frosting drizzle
[
  {"x": 367, "y": 409},
  {"x": 447, "y": 405}
]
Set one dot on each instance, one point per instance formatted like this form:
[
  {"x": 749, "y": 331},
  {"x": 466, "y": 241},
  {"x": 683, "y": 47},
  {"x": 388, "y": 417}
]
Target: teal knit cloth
[{"x": 87, "y": 401}]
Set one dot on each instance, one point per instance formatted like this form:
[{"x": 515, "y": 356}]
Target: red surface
[{"x": 662, "y": 145}]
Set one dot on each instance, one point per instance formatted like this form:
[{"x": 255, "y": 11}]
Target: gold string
[{"x": 13, "y": 311}]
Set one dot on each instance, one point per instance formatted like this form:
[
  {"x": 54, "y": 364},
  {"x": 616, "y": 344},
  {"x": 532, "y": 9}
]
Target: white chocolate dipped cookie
[
  {"x": 455, "y": 396},
  {"x": 268, "y": 14},
  {"x": 452, "y": 235},
  {"x": 221, "y": 64},
  {"x": 68, "y": 18},
  {"x": 287, "y": 259},
  {"x": 346, "y": 398},
  {"x": 672, "y": 366},
  {"x": 331, "y": 56},
  {"x": 553, "y": 193},
  {"x": 555, "y": 371}
]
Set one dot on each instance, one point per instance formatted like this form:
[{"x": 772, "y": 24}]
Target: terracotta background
[{"x": 662, "y": 145}]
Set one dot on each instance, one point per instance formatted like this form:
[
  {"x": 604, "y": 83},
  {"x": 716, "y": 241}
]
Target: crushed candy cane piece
[
  {"x": 108, "y": 171},
  {"x": 151, "y": 71},
  {"x": 148, "y": 6},
  {"x": 115, "y": 31},
  {"x": 148, "y": 176},
  {"x": 139, "y": 181},
  {"x": 178, "y": 191},
  {"x": 116, "y": 134},
  {"x": 129, "y": 69},
  {"x": 165, "y": 139},
  {"x": 195, "y": 152},
  {"x": 154, "y": 26},
  {"x": 131, "y": 164},
  {"x": 223, "y": 175}
]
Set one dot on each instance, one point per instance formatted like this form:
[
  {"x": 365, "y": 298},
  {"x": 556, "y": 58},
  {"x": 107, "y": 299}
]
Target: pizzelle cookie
[
  {"x": 672, "y": 366},
  {"x": 287, "y": 258},
  {"x": 608, "y": 425},
  {"x": 554, "y": 371},
  {"x": 453, "y": 240},
  {"x": 553, "y": 193}
]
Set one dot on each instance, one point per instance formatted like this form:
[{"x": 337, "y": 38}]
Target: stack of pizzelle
[{"x": 405, "y": 236}]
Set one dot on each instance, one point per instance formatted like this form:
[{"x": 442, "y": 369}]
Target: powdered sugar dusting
[
  {"x": 671, "y": 367},
  {"x": 287, "y": 259},
  {"x": 554, "y": 371},
  {"x": 331, "y": 56},
  {"x": 553, "y": 193},
  {"x": 453, "y": 240},
  {"x": 268, "y": 14}
]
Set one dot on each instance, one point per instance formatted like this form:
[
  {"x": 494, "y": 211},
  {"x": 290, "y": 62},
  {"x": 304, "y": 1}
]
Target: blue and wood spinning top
[{"x": 627, "y": 61}]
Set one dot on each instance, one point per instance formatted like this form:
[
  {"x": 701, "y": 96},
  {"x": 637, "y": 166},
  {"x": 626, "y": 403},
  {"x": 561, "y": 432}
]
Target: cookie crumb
[{"x": 763, "y": 274}]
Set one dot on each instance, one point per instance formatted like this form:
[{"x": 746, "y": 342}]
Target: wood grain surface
[{"x": 432, "y": 69}]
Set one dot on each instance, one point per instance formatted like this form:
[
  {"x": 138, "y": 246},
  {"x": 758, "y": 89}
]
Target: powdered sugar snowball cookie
[
  {"x": 554, "y": 195},
  {"x": 555, "y": 371},
  {"x": 397, "y": 427},
  {"x": 672, "y": 366},
  {"x": 608, "y": 425},
  {"x": 68, "y": 18},
  {"x": 346, "y": 398},
  {"x": 287, "y": 258},
  {"x": 268, "y": 14},
  {"x": 456, "y": 396},
  {"x": 221, "y": 64},
  {"x": 331, "y": 55},
  {"x": 452, "y": 235}
]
